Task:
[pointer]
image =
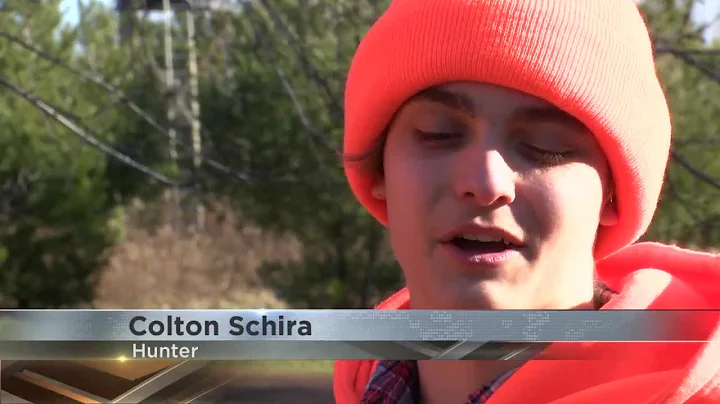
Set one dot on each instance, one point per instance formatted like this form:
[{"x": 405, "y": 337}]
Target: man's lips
[
  {"x": 478, "y": 246},
  {"x": 477, "y": 233},
  {"x": 479, "y": 255}
]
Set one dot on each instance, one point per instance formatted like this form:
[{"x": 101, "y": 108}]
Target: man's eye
[
  {"x": 438, "y": 138},
  {"x": 546, "y": 157}
]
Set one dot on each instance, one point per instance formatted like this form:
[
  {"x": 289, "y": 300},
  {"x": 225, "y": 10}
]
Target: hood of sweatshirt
[{"x": 648, "y": 276}]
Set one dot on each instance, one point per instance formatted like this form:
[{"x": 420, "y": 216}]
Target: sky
[
  {"x": 707, "y": 11},
  {"x": 70, "y": 9}
]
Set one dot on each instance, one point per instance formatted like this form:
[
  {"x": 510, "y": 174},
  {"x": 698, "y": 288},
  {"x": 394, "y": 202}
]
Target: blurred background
[{"x": 183, "y": 154}]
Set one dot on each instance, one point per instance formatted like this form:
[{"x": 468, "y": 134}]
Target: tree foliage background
[{"x": 85, "y": 161}]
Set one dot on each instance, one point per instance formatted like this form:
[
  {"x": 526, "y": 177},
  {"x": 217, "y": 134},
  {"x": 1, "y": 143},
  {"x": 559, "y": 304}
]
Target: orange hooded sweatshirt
[
  {"x": 594, "y": 60},
  {"x": 648, "y": 276}
]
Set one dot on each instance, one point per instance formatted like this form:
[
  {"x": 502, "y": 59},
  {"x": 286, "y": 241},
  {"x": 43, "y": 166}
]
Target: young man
[{"x": 516, "y": 151}]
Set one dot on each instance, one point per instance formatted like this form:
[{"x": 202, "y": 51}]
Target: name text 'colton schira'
[{"x": 177, "y": 326}]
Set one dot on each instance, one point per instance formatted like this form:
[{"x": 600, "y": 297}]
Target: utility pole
[
  {"x": 182, "y": 89},
  {"x": 199, "y": 209},
  {"x": 183, "y": 115},
  {"x": 171, "y": 92}
]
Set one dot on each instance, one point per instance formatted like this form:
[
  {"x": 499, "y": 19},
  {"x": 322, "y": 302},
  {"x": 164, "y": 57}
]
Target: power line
[
  {"x": 124, "y": 99},
  {"x": 691, "y": 61},
  {"x": 83, "y": 135},
  {"x": 699, "y": 174},
  {"x": 267, "y": 55},
  {"x": 304, "y": 60}
]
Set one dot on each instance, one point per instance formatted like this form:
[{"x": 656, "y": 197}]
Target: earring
[{"x": 610, "y": 192}]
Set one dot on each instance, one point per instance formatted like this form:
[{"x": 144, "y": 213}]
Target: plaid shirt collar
[{"x": 397, "y": 382}]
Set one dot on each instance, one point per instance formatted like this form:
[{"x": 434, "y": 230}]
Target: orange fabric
[
  {"x": 591, "y": 58},
  {"x": 648, "y": 276}
]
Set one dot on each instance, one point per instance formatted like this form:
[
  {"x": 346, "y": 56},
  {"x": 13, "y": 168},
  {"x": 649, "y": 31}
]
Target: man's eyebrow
[
  {"x": 463, "y": 103},
  {"x": 548, "y": 114},
  {"x": 456, "y": 101}
]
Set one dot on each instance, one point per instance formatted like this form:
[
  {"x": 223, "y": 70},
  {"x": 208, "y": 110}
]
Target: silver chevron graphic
[
  {"x": 450, "y": 350},
  {"x": 108, "y": 382}
]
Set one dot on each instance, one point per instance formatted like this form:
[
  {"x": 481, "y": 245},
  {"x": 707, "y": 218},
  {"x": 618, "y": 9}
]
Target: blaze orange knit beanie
[{"x": 591, "y": 58}]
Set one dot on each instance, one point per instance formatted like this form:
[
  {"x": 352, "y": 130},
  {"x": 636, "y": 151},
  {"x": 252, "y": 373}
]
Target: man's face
[{"x": 494, "y": 199}]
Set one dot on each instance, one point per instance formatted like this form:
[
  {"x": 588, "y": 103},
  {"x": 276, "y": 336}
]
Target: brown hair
[{"x": 370, "y": 161}]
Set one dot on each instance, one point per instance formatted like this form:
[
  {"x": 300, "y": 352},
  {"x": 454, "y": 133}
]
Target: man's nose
[{"x": 483, "y": 176}]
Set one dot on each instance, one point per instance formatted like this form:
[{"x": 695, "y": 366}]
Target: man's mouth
[{"x": 482, "y": 244}]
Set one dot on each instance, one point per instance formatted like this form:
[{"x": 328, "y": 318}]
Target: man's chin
[{"x": 481, "y": 295}]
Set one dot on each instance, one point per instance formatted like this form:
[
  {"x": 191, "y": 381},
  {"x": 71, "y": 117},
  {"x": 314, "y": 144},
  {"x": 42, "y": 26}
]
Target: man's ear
[
  {"x": 378, "y": 189},
  {"x": 608, "y": 213}
]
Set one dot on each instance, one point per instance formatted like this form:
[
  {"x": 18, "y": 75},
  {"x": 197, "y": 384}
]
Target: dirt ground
[{"x": 300, "y": 389}]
